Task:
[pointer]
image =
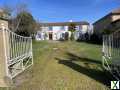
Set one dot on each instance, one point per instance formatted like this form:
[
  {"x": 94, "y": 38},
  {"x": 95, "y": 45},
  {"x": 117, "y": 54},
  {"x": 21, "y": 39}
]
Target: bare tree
[
  {"x": 21, "y": 19},
  {"x": 21, "y": 7},
  {"x": 13, "y": 11},
  {"x": 7, "y": 9}
]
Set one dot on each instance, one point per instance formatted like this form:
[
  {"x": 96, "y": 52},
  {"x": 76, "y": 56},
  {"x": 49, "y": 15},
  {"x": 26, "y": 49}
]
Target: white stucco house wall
[{"x": 57, "y": 30}]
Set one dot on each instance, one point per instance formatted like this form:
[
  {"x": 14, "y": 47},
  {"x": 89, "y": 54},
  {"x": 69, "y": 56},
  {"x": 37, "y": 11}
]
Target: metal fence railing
[
  {"x": 111, "y": 51},
  {"x": 18, "y": 52}
]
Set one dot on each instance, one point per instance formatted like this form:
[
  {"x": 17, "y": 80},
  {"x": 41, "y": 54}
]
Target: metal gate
[
  {"x": 18, "y": 52},
  {"x": 111, "y": 53}
]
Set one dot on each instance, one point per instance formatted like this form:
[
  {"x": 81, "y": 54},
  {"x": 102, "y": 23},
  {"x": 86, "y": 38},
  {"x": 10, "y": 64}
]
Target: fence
[
  {"x": 111, "y": 53},
  {"x": 17, "y": 52}
]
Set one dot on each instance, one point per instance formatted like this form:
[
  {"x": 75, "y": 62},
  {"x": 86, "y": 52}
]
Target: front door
[{"x": 50, "y": 36}]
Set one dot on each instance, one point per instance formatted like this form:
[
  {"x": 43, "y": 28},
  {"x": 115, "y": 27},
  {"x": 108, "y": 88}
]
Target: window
[
  {"x": 62, "y": 28},
  {"x": 50, "y": 28}
]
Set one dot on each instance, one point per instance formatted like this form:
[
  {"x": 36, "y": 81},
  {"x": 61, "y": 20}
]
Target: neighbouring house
[
  {"x": 109, "y": 23},
  {"x": 59, "y": 30}
]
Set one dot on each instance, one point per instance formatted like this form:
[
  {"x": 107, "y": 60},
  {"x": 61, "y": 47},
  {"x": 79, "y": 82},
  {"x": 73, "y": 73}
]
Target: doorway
[{"x": 50, "y": 36}]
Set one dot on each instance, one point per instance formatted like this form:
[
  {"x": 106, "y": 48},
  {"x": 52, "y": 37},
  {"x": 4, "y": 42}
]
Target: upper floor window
[
  {"x": 62, "y": 28},
  {"x": 50, "y": 28}
]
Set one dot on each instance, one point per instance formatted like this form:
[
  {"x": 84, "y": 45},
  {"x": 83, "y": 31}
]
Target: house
[
  {"x": 58, "y": 30},
  {"x": 110, "y": 22}
]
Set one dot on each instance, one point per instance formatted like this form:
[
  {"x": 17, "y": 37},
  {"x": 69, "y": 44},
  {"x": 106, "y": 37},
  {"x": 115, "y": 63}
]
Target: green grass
[{"x": 64, "y": 66}]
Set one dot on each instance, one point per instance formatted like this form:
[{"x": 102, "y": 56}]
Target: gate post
[{"x": 3, "y": 53}]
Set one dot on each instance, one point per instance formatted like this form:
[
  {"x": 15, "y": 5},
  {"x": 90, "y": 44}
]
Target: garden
[{"x": 66, "y": 65}]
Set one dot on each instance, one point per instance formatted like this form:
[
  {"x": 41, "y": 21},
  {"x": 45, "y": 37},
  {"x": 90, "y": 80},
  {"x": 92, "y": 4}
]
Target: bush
[
  {"x": 66, "y": 36},
  {"x": 95, "y": 39},
  {"x": 26, "y": 25}
]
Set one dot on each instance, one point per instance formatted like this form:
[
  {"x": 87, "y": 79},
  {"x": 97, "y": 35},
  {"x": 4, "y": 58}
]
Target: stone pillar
[
  {"x": 3, "y": 24},
  {"x": 3, "y": 53}
]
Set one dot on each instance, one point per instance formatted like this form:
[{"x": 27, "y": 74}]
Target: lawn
[{"x": 64, "y": 66}]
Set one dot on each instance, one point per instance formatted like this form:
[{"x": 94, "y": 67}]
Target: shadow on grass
[
  {"x": 91, "y": 42},
  {"x": 94, "y": 73},
  {"x": 73, "y": 57}
]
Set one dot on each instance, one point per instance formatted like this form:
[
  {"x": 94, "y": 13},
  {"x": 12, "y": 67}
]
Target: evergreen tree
[{"x": 72, "y": 29}]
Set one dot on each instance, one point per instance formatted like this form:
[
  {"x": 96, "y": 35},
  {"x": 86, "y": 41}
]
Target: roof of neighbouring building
[
  {"x": 64, "y": 23},
  {"x": 114, "y": 12}
]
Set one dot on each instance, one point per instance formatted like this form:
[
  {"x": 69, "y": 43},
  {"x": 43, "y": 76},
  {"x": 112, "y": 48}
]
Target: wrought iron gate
[
  {"x": 18, "y": 52},
  {"x": 111, "y": 53}
]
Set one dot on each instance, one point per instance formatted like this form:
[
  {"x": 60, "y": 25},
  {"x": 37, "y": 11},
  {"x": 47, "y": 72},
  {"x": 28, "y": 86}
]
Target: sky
[{"x": 65, "y": 10}]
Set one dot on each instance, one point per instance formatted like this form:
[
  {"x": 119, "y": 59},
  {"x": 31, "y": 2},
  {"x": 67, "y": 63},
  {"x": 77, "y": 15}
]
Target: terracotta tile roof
[{"x": 116, "y": 11}]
